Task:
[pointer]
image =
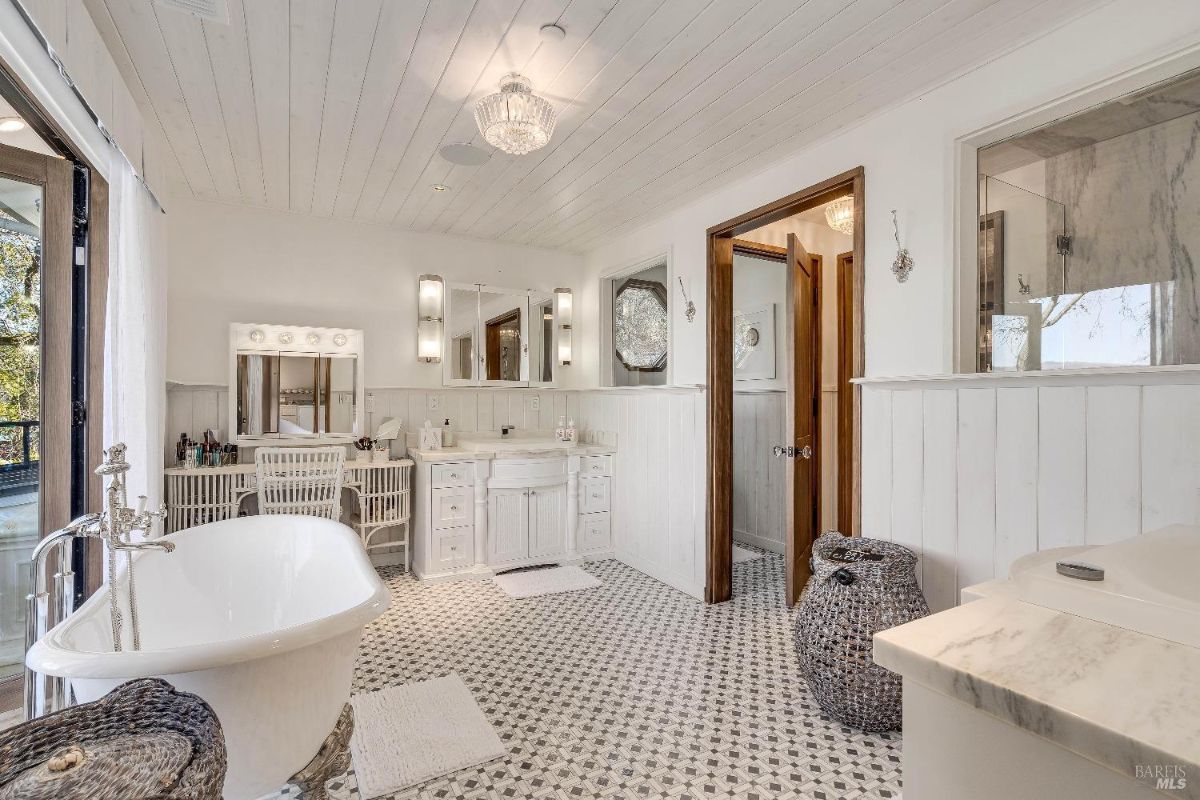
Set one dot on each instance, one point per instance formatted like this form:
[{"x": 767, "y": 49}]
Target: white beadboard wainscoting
[
  {"x": 658, "y": 482},
  {"x": 972, "y": 472},
  {"x": 758, "y": 476}
]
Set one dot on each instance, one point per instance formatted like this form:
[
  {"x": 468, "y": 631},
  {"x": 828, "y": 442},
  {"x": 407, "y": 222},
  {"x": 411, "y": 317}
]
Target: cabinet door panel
[
  {"x": 593, "y": 495},
  {"x": 508, "y": 525},
  {"x": 547, "y": 521}
]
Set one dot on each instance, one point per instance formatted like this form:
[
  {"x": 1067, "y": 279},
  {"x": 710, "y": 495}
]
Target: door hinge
[{"x": 78, "y": 412}]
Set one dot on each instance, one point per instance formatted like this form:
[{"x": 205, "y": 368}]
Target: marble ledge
[
  {"x": 457, "y": 454},
  {"x": 1113, "y": 696}
]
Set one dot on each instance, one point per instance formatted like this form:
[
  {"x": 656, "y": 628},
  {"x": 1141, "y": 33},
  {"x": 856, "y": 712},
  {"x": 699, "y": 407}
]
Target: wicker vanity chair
[{"x": 141, "y": 741}]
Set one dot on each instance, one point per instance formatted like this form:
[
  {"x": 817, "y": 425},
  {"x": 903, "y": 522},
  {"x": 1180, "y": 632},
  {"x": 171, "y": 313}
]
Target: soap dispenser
[{"x": 447, "y": 434}]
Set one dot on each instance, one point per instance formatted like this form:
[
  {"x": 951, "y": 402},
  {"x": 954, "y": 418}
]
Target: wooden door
[
  {"x": 800, "y": 429},
  {"x": 547, "y": 521},
  {"x": 508, "y": 525}
]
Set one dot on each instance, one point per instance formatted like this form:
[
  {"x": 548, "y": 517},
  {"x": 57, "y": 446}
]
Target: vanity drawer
[
  {"x": 595, "y": 466},
  {"x": 452, "y": 548},
  {"x": 593, "y": 495},
  {"x": 529, "y": 468},
  {"x": 453, "y": 507},
  {"x": 595, "y": 533},
  {"x": 453, "y": 475}
]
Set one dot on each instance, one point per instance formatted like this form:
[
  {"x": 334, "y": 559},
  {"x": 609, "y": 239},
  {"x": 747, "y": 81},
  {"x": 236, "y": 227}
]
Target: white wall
[
  {"x": 238, "y": 264},
  {"x": 910, "y": 154}
]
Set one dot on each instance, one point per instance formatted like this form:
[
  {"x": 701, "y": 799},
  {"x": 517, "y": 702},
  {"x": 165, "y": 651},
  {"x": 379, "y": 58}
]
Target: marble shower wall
[{"x": 1133, "y": 213}]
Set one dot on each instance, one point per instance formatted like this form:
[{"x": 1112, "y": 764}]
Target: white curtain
[{"x": 135, "y": 347}]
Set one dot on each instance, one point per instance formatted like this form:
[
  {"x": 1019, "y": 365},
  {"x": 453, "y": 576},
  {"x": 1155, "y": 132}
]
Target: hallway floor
[{"x": 631, "y": 690}]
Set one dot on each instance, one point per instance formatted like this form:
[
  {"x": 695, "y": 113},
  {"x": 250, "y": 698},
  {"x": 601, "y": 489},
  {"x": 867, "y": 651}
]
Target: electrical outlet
[
  {"x": 435, "y": 402},
  {"x": 370, "y": 402},
  {"x": 535, "y": 403}
]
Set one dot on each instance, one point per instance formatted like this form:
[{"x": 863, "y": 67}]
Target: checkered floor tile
[{"x": 631, "y": 690}]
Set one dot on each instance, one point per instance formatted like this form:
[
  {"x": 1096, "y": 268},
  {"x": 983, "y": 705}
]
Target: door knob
[{"x": 804, "y": 452}]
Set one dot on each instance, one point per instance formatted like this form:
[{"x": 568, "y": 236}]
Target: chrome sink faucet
[{"x": 114, "y": 527}]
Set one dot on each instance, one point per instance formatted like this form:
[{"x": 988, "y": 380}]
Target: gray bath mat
[{"x": 405, "y": 735}]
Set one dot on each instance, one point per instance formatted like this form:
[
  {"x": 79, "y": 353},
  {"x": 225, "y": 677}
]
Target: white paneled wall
[
  {"x": 974, "y": 473},
  {"x": 658, "y": 484}
]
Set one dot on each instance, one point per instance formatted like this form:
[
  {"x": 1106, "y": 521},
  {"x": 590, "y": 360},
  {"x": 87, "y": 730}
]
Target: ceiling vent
[{"x": 210, "y": 10}]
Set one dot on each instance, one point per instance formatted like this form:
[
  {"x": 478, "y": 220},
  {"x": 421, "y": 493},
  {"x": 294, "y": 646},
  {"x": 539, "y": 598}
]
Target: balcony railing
[{"x": 18, "y": 476}]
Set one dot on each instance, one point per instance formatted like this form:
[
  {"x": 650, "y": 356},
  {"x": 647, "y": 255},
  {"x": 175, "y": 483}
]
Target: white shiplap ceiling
[{"x": 338, "y": 107}]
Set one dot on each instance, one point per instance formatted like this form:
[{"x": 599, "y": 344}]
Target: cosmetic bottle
[{"x": 447, "y": 434}]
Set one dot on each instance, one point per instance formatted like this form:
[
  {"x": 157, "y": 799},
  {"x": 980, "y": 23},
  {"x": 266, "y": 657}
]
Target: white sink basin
[
  {"x": 494, "y": 442},
  {"x": 1151, "y": 585}
]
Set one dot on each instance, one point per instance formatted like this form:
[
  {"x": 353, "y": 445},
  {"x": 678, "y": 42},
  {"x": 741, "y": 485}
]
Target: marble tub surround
[{"x": 1117, "y": 698}]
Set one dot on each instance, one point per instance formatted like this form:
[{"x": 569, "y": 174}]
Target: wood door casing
[
  {"x": 845, "y": 389},
  {"x": 800, "y": 417}
]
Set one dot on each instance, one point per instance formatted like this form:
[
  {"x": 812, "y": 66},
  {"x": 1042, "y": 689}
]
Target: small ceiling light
[
  {"x": 440, "y": 187},
  {"x": 514, "y": 119},
  {"x": 11, "y": 124},
  {"x": 465, "y": 154},
  {"x": 552, "y": 33},
  {"x": 840, "y": 215}
]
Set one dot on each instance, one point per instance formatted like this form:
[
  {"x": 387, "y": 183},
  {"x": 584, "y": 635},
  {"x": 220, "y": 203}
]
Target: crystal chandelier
[
  {"x": 514, "y": 119},
  {"x": 840, "y": 215}
]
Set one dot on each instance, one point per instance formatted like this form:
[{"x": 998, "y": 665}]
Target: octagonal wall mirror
[{"x": 637, "y": 333}]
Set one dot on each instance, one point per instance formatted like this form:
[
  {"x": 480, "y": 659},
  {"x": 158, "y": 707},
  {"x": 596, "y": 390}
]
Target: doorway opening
[{"x": 785, "y": 307}]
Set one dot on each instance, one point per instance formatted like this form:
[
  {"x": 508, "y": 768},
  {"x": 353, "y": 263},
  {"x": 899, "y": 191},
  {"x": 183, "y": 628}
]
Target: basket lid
[{"x": 863, "y": 557}]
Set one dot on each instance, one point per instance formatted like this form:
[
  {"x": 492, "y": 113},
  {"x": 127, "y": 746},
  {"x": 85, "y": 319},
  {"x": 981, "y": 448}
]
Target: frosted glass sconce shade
[
  {"x": 430, "y": 303},
  {"x": 563, "y": 308}
]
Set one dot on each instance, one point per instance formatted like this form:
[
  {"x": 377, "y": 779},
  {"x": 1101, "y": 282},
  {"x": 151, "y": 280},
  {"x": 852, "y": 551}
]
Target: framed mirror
[
  {"x": 503, "y": 336},
  {"x": 460, "y": 364},
  {"x": 542, "y": 347}
]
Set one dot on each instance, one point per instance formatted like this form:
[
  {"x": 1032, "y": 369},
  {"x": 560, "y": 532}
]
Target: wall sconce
[
  {"x": 563, "y": 310},
  {"x": 430, "y": 302}
]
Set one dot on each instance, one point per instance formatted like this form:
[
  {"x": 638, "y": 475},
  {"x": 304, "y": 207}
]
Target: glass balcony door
[{"x": 35, "y": 381}]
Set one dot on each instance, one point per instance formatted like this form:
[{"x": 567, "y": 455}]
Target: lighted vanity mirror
[
  {"x": 294, "y": 383},
  {"x": 488, "y": 336}
]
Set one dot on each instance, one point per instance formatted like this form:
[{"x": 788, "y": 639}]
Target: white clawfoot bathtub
[{"x": 260, "y": 616}]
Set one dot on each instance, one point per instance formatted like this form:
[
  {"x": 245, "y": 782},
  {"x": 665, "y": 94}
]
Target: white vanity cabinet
[{"x": 479, "y": 513}]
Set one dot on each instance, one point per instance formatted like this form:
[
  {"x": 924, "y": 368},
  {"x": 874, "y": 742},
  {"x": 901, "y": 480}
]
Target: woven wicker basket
[
  {"x": 141, "y": 741},
  {"x": 845, "y": 603}
]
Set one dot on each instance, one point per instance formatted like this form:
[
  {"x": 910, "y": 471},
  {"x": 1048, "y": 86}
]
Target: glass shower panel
[{"x": 1023, "y": 291}]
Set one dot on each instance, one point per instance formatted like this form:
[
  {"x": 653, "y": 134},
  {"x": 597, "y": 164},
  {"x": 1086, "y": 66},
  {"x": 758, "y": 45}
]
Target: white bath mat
[
  {"x": 531, "y": 583},
  {"x": 741, "y": 554},
  {"x": 404, "y": 735}
]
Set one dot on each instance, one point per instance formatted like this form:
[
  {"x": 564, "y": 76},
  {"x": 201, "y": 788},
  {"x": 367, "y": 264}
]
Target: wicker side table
[
  {"x": 858, "y": 588},
  {"x": 141, "y": 741}
]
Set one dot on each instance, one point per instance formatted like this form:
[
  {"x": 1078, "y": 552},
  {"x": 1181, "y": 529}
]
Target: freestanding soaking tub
[{"x": 260, "y": 616}]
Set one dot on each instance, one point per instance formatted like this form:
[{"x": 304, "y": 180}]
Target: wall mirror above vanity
[
  {"x": 499, "y": 337},
  {"x": 295, "y": 383}
]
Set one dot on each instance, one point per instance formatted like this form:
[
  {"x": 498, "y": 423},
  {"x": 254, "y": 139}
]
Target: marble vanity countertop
[
  {"x": 1113, "y": 696},
  {"x": 514, "y": 451}
]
